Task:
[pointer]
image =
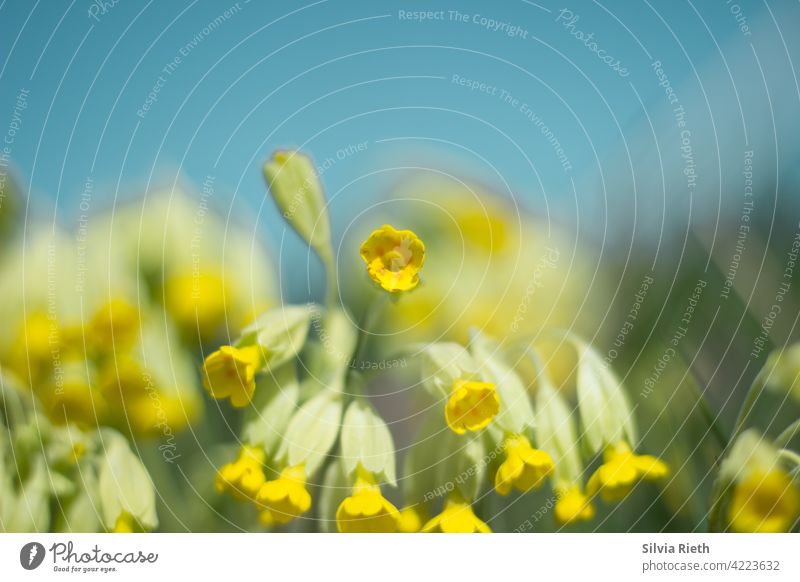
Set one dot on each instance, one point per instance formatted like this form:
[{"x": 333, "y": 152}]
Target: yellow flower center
[
  {"x": 764, "y": 503},
  {"x": 471, "y": 406},
  {"x": 230, "y": 373},
  {"x": 524, "y": 468},
  {"x": 394, "y": 258}
]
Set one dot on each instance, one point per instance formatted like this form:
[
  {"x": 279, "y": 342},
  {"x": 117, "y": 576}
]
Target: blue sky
[{"x": 237, "y": 80}]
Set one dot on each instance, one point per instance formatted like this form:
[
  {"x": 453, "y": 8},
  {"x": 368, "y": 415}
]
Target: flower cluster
[
  {"x": 103, "y": 325},
  {"x": 307, "y": 413}
]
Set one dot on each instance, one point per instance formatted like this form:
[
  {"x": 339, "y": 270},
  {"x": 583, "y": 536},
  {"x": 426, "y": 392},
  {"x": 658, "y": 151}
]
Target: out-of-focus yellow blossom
[
  {"x": 572, "y": 505},
  {"x": 525, "y": 468},
  {"x": 457, "y": 517},
  {"x": 621, "y": 470},
  {"x": 394, "y": 258},
  {"x": 197, "y": 300},
  {"x": 35, "y": 343},
  {"x": 471, "y": 406},
  {"x": 70, "y": 397},
  {"x": 230, "y": 372},
  {"x": 764, "y": 502},
  {"x": 366, "y": 510},
  {"x": 210, "y": 275},
  {"x": 764, "y": 497},
  {"x": 113, "y": 326},
  {"x": 411, "y": 519},
  {"x": 244, "y": 477},
  {"x": 489, "y": 265},
  {"x": 284, "y": 498}
]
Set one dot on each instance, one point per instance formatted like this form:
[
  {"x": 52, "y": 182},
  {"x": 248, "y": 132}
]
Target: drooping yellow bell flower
[
  {"x": 525, "y": 468},
  {"x": 764, "y": 502},
  {"x": 394, "y": 258},
  {"x": 457, "y": 517},
  {"x": 366, "y": 510},
  {"x": 230, "y": 373},
  {"x": 572, "y": 505},
  {"x": 621, "y": 470},
  {"x": 471, "y": 406},
  {"x": 244, "y": 477},
  {"x": 284, "y": 498}
]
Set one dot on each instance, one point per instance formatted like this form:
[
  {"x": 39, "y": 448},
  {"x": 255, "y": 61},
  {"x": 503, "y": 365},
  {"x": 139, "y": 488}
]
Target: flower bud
[{"x": 296, "y": 188}]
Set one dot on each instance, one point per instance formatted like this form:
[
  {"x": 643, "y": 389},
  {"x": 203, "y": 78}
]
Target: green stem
[
  {"x": 373, "y": 310},
  {"x": 331, "y": 280},
  {"x": 710, "y": 418}
]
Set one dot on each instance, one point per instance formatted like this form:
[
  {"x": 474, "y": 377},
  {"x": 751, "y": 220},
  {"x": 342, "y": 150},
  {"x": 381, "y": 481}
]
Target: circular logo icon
[{"x": 31, "y": 555}]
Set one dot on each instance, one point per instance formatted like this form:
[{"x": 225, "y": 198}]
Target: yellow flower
[
  {"x": 394, "y": 258},
  {"x": 457, "y": 517},
  {"x": 230, "y": 373},
  {"x": 197, "y": 302},
  {"x": 621, "y": 470},
  {"x": 411, "y": 519},
  {"x": 244, "y": 477},
  {"x": 70, "y": 398},
  {"x": 115, "y": 325},
  {"x": 285, "y": 498},
  {"x": 471, "y": 406},
  {"x": 524, "y": 468},
  {"x": 764, "y": 502},
  {"x": 572, "y": 505},
  {"x": 366, "y": 510}
]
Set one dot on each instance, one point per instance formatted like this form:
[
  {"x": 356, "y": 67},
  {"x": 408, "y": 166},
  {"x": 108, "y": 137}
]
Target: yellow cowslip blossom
[
  {"x": 366, "y": 510},
  {"x": 621, "y": 470},
  {"x": 394, "y": 258},
  {"x": 230, "y": 373},
  {"x": 284, "y": 498},
  {"x": 471, "y": 406},
  {"x": 245, "y": 476},
  {"x": 411, "y": 519},
  {"x": 457, "y": 517},
  {"x": 114, "y": 326},
  {"x": 764, "y": 502},
  {"x": 197, "y": 301},
  {"x": 70, "y": 398},
  {"x": 525, "y": 468},
  {"x": 572, "y": 505}
]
